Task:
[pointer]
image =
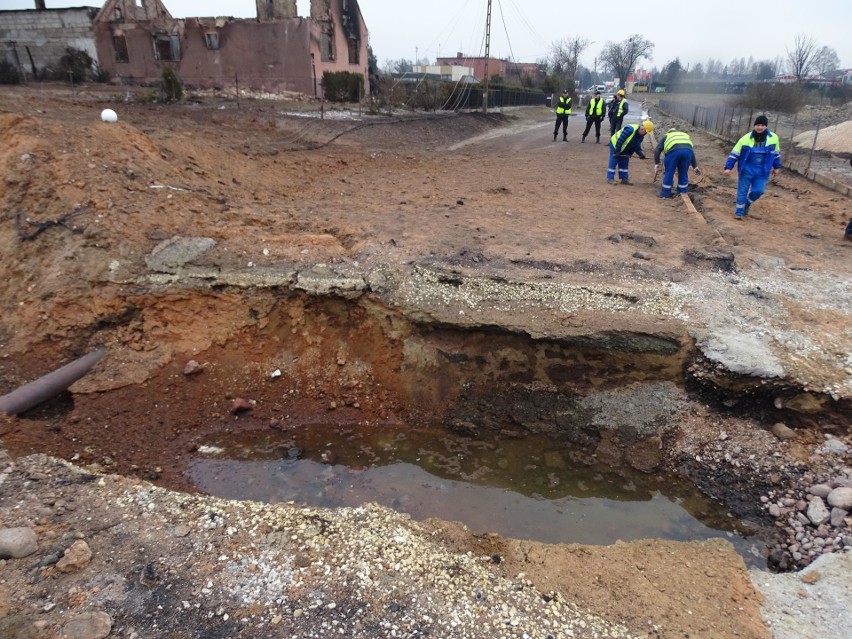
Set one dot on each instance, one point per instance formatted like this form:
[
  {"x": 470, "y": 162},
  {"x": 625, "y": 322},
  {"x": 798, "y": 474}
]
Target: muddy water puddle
[{"x": 527, "y": 488}]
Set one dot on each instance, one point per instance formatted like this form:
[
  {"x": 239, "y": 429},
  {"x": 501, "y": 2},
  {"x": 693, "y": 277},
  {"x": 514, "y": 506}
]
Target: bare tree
[
  {"x": 564, "y": 57},
  {"x": 825, "y": 60},
  {"x": 801, "y": 59},
  {"x": 622, "y": 56}
]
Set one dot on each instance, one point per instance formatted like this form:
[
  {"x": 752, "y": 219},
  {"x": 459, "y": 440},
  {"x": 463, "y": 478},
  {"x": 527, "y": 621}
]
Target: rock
[
  {"x": 817, "y": 512},
  {"x": 838, "y": 516},
  {"x": 76, "y": 556},
  {"x": 608, "y": 451},
  {"x": 240, "y": 405},
  {"x": 192, "y": 367},
  {"x": 833, "y": 446},
  {"x": 841, "y": 498},
  {"x": 170, "y": 255},
  {"x": 783, "y": 432},
  {"x": 89, "y": 625},
  {"x": 774, "y": 510},
  {"x": 645, "y": 455},
  {"x": 820, "y": 490},
  {"x": 17, "y": 542},
  {"x": 805, "y": 403}
]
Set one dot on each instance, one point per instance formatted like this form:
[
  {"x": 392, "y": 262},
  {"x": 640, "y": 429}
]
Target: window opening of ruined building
[
  {"x": 166, "y": 47},
  {"x": 354, "y": 51},
  {"x": 119, "y": 45},
  {"x": 139, "y": 3},
  {"x": 118, "y": 14},
  {"x": 212, "y": 39},
  {"x": 327, "y": 43}
]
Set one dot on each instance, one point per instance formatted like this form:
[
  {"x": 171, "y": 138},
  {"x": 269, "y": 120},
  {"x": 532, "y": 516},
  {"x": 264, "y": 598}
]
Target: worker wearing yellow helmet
[
  {"x": 617, "y": 110},
  {"x": 622, "y": 145}
]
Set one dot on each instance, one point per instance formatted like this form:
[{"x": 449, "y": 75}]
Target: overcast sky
[{"x": 523, "y": 30}]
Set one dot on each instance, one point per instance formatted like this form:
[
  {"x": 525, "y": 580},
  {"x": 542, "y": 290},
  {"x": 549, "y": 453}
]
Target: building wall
[
  {"x": 269, "y": 54},
  {"x": 44, "y": 36},
  {"x": 266, "y": 56},
  {"x": 325, "y": 11},
  {"x": 495, "y": 66}
]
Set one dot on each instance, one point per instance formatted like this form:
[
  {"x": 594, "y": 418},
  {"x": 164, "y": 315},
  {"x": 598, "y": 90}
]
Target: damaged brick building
[
  {"x": 278, "y": 51},
  {"x": 133, "y": 40}
]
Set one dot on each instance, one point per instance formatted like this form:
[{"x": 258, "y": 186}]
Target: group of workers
[{"x": 757, "y": 154}]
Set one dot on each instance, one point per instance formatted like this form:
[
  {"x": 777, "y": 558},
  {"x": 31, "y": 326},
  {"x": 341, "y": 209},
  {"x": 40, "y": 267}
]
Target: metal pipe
[{"x": 34, "y": 393}]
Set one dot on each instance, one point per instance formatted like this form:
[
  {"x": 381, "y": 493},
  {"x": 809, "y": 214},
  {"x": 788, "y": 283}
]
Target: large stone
[
  {"x": 841, "y": 498},
  {"x": 608, "y": 451},
  {"x": 817, "y": 512},
  {"x": 783, "y": 432},
  {"x": 173, "y": 254},
  {"x": 89, "y": 625},
  {"x": 76, "y": 556},
  {"x": 645, "y": 455},
  {"x": 838, "y": 516},
  {"x": 17, "y": 542}
]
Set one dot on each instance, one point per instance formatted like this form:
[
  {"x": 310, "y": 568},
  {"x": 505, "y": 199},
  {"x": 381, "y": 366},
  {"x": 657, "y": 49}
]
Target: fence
[
  {"x": 731, "y": 123},
  {"x": 471, "y": 99}
]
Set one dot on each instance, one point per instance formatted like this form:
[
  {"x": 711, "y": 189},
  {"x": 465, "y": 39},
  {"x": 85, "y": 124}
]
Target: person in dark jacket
[
  {"x": 594, "y": 115},
  {"x": 617, "y": 110},
  {"x": 679, "y": 155},
  {"x": 563, "y": 112},
  {"x": 622, "y": 145},
  {"x": 758, "y": 157}
]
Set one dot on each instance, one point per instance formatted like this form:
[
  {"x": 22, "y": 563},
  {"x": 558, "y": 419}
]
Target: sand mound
[{"x": 834, "y": 139}]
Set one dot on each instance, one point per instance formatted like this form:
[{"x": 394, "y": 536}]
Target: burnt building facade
[{"x": 279, "y": 51}]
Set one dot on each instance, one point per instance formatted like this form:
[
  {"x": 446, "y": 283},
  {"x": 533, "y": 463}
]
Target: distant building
[
  {"x": 448, "y": 73},
  {"x": 510, "y": 71}
]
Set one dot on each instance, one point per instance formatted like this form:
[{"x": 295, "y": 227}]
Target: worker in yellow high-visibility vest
[
  {"x": 563, "y": 111},
  {"x": 594, "y": 115},
  {"x": 679, "y": 156},
  {"x": 617, "y": 110}
]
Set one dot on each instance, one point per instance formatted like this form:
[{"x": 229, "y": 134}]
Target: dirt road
[{"x": 395, "y": 269}]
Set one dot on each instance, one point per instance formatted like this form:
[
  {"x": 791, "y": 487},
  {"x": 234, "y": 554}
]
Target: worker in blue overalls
[
  {"x": 758, "y": 157},
  {"x": 622, "y": 145},
  {"x": 680, "y": 155}
]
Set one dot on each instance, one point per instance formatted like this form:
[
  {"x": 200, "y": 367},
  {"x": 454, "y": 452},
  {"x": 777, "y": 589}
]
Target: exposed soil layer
[{"x": 464, "y": 270}]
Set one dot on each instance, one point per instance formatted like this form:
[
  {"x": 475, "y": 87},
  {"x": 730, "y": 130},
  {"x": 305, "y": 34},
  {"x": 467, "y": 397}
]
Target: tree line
[{"x": 561, "y": 68}]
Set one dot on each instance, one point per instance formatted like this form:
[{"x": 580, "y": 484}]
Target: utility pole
[{"x": 487, "y": 55}]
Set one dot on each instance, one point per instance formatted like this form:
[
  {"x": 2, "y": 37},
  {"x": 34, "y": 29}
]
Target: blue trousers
[
  {"x": 751, "y": 185},
  {"x": 679, "y": 159},
  {"x": 617, "y": 161}
]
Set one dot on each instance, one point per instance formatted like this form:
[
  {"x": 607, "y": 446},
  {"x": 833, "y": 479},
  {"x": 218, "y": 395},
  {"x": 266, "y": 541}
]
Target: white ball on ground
[{"x": 108, "y": 115}]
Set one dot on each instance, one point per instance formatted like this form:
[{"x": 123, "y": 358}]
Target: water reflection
[{"x": 527, "y": 488}]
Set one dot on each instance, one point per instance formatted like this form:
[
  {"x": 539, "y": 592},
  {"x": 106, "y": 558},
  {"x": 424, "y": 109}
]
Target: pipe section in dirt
[{"x": 42, "y": 389}]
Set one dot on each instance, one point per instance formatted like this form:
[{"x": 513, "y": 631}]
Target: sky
[{"x": 524, "y": 30}]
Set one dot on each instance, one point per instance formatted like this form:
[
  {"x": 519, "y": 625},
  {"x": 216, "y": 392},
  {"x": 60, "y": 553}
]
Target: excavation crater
[{"x": 336, "y": 402}]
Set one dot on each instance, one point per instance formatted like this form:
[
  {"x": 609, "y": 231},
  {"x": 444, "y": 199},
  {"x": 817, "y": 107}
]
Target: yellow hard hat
[
  {"x": 620, "y": 92},
  {"x": 648, "y": 126}
]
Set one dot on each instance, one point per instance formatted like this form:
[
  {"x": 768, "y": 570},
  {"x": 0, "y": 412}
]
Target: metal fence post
[{"x": 813, "y": 146}]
